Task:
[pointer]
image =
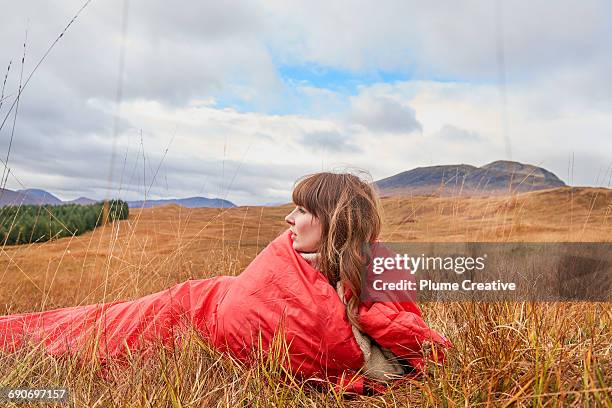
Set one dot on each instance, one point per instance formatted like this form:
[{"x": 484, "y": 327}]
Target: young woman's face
[{"x": 306, "y": 230}]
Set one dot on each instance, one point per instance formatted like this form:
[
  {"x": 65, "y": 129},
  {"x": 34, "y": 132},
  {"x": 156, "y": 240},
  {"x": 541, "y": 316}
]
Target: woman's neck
[{"x": 311, "y": 257}]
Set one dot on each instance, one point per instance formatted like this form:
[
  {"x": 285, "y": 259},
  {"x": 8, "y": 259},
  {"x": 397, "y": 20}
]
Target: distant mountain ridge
[
  {"x": 81, "y": 201},
  {"x": 33, "y": 196},
  {"x": 41, "y": 196},
  {"x": 496, "y": 178},
  {"x": 191, "y": 202},
  {"x": 28, "y": 196}
]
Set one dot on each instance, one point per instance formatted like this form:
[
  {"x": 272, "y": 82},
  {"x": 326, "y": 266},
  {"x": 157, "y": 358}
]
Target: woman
[{"x": 306, "y": 284}]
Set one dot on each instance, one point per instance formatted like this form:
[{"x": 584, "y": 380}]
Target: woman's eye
[{"x": 301, "y": 210}]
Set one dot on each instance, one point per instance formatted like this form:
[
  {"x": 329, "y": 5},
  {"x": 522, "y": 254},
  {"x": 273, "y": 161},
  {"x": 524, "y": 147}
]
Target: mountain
[
  {"x": 191, "y": 202},
  {"x": 9, "y": 197},
  {"x": 82, "y": 201},
  {"x": 496, "y": 178},
  {"x": 38, "y": 196},
  {"x": 28, "y": 196}
]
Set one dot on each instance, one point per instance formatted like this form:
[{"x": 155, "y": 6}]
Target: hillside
[
  {"x": 159, "y": 246},
  {"x": 496, "y": 178},
  {"x": 28, "y": 196},
  {"x": 38, "y": 196},
  {"x": 81, "y": 201}
]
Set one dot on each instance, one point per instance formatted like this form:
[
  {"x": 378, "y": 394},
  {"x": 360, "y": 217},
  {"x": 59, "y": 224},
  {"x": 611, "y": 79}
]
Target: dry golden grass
[{"x": 505, "y": 354}]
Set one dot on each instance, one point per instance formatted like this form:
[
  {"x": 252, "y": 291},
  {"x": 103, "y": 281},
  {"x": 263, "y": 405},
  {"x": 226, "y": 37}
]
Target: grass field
[{"x": 505, "y": 354}]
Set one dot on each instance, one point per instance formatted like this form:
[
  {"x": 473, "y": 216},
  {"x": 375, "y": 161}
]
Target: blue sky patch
[{"x": 337, "y": 80}]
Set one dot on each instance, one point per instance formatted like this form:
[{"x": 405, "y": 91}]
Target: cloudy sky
[{"x": 237, "y": 99}]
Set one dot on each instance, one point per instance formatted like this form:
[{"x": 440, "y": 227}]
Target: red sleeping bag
[{"x": 236, "y": 315}]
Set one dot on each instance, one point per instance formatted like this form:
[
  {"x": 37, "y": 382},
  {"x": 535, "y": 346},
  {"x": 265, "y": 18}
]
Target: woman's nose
[{"x": 289, "y": 218}]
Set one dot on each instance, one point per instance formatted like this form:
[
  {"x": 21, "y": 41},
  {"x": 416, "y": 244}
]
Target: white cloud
[
  {"x": 383, "y": 114},
  {"x": 450, "y": 133},
  {"x": 330, "y": 141}
]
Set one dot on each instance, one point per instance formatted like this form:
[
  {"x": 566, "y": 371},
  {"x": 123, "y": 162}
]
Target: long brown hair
[{"x": 349, "y": 211}]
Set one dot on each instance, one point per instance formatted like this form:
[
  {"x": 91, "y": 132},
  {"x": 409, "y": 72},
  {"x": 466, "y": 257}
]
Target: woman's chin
[{"x": 301, "y": 248}]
